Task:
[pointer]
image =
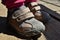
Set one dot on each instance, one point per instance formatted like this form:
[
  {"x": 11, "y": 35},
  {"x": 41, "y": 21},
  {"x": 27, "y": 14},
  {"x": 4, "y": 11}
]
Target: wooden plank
[
  {"x": 3, "y": 10},
  {"x": 53, "y": 2}
]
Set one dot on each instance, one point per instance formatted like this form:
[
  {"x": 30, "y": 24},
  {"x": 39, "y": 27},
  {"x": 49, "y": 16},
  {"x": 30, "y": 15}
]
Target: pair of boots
[{"x": 25, "y": 20}]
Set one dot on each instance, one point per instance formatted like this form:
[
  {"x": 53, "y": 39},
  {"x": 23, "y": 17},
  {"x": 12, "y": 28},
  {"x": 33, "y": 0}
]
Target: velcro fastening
[
  {"x": 34, "y": 4},
  {"x": 20, "y": 13},
  {"x": 36, "y": 8},
  {"x": 25, "y": 16}
]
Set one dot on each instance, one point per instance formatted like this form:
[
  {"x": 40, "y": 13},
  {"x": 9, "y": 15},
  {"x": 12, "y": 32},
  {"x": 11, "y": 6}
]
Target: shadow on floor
[{"x": 7, "y": 29}]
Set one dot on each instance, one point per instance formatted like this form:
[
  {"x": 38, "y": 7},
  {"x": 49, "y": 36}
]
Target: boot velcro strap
[
  {"x": 25, "y": 16},
  {"x": 20, "y": 13},
  {"x": 36, "y": 8},
  {"x": 34, "y": 4}
]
